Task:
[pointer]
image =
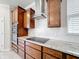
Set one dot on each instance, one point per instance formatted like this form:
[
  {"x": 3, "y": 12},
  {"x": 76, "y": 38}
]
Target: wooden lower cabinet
[
  {"x": 71, "y": 57},
  {"x": 52, "y": 54},
  {"x": 46, "y": 56},
  {"x": 33, "y": 52},
  {"x": 29, "y": 57},
  {"x": 14, "y": 47},
  {"x": 21, "y": 53}
]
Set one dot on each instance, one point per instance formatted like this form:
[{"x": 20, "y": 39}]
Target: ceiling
[{"x": 14, "y": 3}]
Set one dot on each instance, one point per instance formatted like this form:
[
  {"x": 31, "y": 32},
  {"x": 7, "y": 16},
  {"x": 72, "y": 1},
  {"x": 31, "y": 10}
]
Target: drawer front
[
  {"x": 46, "y": 56},
  {"x": 33, "y": 45},
  {"x": 14, "y": 49},
  {"x": 29, "y": 57},
  {"x": 33, "y": 52},
  {"x": 21, "y": 53},
  {"x": 52, "y": 52},
  {"x": 20, "y": 47},
  {"x": 14, "y": 46},
  {"x": 71, "y": 57}
]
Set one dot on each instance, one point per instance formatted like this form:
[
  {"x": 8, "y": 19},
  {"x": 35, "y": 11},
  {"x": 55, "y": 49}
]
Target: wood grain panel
[
  {"x": 46, "y": 56},
  {"x": 28, "y": 18},
  {"x": 71, "y": 57},
  {"x": 28, "y": 57},
  {"x": 25, "y": 20},
  {"x": 54, "y": 13},
  {"x": 52, "y": 52}
]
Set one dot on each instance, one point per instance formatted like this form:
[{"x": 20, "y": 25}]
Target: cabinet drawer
[
  {"x": 29, "y": 57},
  {"x": 52, "y": 52},
  {"x": 71, "y": 57},
  {"x": 46, "y": 56},
  {"x": 21, "y": 53},
  {"x": 14, "y": 49},
  {"x": 14, "y": 46},
  {"x": 21, "y": 45},
  {"x": 33, "y": 45},
  {"x": 33, "y": 52}
]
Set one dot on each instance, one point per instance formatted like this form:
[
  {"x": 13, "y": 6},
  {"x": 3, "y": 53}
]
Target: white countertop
[{"x": 63, "y": 46}]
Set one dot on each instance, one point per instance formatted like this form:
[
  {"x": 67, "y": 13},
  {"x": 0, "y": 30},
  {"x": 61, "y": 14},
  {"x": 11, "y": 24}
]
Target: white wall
[
  {"x": 5, "y": 13},
  {"x": 42, "y": 30}
]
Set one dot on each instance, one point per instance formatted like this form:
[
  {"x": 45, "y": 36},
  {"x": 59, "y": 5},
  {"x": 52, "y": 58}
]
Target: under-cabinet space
[{"x": 54, "y": 17}]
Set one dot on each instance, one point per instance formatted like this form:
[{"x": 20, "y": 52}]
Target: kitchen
[{"x": 39, "y": 29}]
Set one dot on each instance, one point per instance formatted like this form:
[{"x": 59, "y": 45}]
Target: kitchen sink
[{"x": 37, "y": 39}]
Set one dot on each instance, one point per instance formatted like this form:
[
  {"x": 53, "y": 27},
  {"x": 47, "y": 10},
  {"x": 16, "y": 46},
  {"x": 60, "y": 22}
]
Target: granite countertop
[{"x": 63, "y": 46}]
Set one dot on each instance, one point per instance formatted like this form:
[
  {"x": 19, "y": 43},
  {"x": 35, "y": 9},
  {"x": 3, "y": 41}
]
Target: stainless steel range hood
[{"x": 41, "y": 9}]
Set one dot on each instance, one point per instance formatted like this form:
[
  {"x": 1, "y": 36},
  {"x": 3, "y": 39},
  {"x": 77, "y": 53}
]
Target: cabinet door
[
  {"x": 71, "y": 57},
  {"x": 46, "y": 56},
  {"x": 15, "y": 15},
  {"x": 54, "y": 13},
  {"x": 21, "y": 53},
  {"x": 33, "y": 52},
  {"x": 29, "y": 22}
]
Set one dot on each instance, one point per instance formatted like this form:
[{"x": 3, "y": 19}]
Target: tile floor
[{"x": 9, "y": 55}]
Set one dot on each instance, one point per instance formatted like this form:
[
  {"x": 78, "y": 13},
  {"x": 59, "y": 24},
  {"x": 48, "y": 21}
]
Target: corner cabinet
[
  {"x": 54, "y": 17},
  {"x": 29, "y": 21}
]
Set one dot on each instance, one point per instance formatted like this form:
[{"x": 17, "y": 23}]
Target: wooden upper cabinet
[
  {"x": 54, "y": 18},
  {"x": 15, "y": 16},
  {"x": 29, "y": 22},
  {"x": 18, "y": 17}
]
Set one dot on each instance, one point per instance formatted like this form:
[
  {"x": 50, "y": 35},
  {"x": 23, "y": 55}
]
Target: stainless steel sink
[{"x": 37, "y": 39}]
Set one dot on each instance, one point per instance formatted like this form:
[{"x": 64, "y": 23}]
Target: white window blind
[{"x": 73, "y": 25}]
